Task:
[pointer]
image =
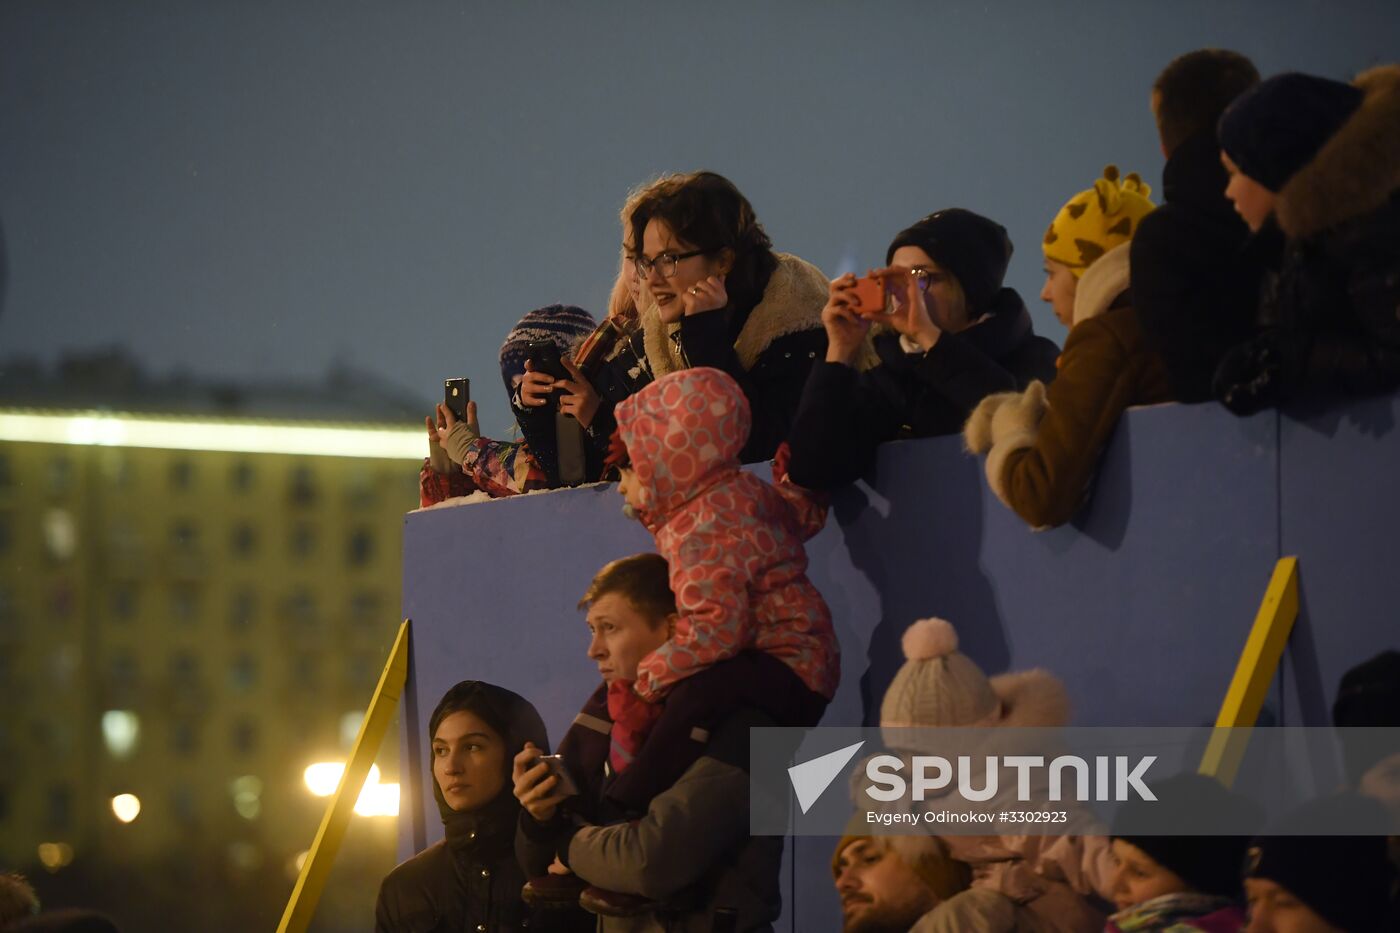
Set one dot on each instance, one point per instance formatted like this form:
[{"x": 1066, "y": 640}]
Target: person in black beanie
[
  {"x": 1195, "y": 272},
  {"x": 1320, "y": 160},
  {"x": 1369, "y": 697},
  {"x": 1300, "y": 882},
  {"x": 957, "y": 336},
  {"x": 470, "y": 879},
  {"x": 1193, "y": 881}
]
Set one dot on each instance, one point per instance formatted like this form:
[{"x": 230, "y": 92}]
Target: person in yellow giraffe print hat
[{"x": 1043, "y": 445}]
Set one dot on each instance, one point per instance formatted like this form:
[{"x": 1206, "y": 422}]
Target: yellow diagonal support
[
  {"x": 317, "y": 867},
  {"x": 1253, "y": 674}
]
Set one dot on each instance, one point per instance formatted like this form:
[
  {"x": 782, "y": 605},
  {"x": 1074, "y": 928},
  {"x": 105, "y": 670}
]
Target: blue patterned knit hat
[{"x": 566, "y": 325}]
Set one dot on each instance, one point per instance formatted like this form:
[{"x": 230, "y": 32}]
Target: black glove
[{"x": 1250, "y": 377}]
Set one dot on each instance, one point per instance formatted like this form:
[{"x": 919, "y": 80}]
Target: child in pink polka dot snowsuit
[{"x": 738, "y": 568}]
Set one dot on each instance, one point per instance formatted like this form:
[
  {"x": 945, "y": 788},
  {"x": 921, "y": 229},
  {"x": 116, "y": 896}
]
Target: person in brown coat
[{"x": 1043, "y": 445}]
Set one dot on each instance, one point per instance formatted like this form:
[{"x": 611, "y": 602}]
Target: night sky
[{"x": 260, "y": 189}]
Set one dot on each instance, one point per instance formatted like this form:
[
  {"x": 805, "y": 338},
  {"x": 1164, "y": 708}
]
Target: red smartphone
[{"x": 870, "y": 294}]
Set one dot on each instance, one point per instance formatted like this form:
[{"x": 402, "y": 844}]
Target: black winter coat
[
  {"x": 845, "y": 415},
  {"x": 1330, "y": 314},
  {"x": 447, "y": 888},
  {"x": 1196, "y": 271}
]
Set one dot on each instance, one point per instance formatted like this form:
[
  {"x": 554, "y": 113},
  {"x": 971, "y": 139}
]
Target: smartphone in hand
[
  {"x": 870, "y": 295},
  {"x": 544, "y": 357},
  {"x": 566, "y": 784},
  {"x": 455, "y": 395}
]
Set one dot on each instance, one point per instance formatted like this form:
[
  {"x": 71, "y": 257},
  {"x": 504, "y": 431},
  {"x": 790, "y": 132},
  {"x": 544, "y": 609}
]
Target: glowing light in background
[
  {"x": 378, "y": 800},
  {"x": 55, "y": 855},
  {"x": 375, "y": 799},
  {"x": 121, "y": 729},
  {"x": 350, "y": 728},
  {"x": 111, "y": 430},
  {"x": 127, "y": 807},
  {"x": 247, "y": 796}
]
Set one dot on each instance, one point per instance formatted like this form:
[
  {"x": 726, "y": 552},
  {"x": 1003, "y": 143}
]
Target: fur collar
[
  {"x": 1102, "y": 283},
  {"x": 1031, "y": 699},
  {"x": 1357, "y": 170},
  {"x": 792, "y": 302}
]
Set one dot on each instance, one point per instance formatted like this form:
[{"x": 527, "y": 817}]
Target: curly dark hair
[{"x": 706, "y": 211}]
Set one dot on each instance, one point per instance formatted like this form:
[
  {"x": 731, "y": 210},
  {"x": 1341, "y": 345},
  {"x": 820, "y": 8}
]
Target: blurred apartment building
[{"x": 190, "y": 614}]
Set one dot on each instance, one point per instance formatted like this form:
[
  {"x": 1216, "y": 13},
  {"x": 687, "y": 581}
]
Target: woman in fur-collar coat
[
  {"x": 1321, "y": 160},
  {"x": 713, "y": 293},
  {"x": 1043, "y": 445}
]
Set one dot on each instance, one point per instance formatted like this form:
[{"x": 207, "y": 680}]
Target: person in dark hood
[
  {"x": 1319, "y": 160},
  {"x": 1196, "y": 272},
  {"x": 555, "y": 450},
  {"x": 470, "y": 879},
  {"x": 955, "y": 337}
]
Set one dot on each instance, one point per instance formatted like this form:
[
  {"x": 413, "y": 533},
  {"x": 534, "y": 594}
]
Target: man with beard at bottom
[{"x": 896, "y": 884}]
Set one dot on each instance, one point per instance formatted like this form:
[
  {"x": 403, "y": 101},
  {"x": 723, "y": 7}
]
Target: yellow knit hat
[{"x": 1097, "y": 220}]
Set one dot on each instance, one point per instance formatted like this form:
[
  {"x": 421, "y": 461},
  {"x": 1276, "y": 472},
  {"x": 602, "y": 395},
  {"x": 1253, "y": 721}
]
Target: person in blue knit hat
[
  {"x": 1320, "y": 160},
  {"x": 555, "y": 450}
]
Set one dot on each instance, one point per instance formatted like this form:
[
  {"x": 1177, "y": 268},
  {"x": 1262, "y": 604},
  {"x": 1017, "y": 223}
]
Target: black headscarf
[{"x": 516, "y": 721}]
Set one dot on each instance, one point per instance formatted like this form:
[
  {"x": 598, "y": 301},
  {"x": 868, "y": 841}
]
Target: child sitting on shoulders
[{"x": 751, "y": 629}]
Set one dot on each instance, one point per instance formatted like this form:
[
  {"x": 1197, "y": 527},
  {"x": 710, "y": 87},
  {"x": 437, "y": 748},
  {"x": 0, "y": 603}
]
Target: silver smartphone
[{"x": 565, "y": 785}]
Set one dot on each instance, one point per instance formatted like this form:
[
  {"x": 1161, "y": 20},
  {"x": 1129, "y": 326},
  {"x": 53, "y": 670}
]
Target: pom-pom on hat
[
  {"x": 974, "y": 249},
  {"x": 1276, "y": 127},
  {"x": 938, "y": 685},
  {"x": 1096, "y": 220}
]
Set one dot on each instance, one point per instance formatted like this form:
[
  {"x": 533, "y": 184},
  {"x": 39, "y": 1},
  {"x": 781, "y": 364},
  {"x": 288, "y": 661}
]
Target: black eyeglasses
[{"x": 665, "y": 263}]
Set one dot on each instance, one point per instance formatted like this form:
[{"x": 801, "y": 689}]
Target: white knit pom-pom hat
[{"x": 938, "y": 685}]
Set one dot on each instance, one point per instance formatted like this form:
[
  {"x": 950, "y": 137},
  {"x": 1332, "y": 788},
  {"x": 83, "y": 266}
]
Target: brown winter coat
[{"x": 1043, "y": 445}]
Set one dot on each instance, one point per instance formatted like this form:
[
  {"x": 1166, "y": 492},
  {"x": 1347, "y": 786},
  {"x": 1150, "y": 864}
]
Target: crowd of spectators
[{"x": 1267, "y": 269}]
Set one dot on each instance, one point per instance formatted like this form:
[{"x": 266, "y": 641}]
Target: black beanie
[
  {"x": 1344, "y": 879},
  {"x": 974, "y": 249},
  {"x": 1276, "y": 127},
  {"x": 1210, "y": 864},
  {"x": 1368, "y": 696}
]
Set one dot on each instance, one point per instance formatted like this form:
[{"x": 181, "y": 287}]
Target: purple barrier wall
[{"x": 1141, "y": 606}]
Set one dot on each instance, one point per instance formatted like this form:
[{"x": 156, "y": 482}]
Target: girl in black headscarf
[{"x": 469, "y": 880}]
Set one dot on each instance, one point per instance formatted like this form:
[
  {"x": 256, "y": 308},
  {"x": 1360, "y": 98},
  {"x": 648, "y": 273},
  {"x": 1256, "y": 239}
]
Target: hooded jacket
[
  {"x": 1336, "y": 295},
  {"x": 1043, "y": 446},
  {"x": 767, "y": 349},
  {"x": 1196, "y": 271},
  {"x": 734, "y": 543},
  {"x": 470, "y": 879},
  {"x": 846, "y": 414}
]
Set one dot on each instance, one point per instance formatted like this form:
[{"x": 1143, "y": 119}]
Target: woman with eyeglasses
[
  {"x": 951, "y": 336},
  {"x": 712, "y": 292}
]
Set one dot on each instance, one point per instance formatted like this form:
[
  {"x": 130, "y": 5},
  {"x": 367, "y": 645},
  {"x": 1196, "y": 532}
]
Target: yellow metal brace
[
  {"x": 317, "y": 867},
  {"x": 1253, "y": 674}
]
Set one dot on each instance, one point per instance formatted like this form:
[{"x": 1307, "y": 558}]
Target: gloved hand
[
  {"x": 977, "y": 433},
  {"x": 1250, "y": 377}
]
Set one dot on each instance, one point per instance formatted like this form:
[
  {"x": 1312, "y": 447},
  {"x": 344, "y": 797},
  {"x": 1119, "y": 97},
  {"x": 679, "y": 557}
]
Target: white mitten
[
  {"x": 1020, "y": 415},
  {"x": 977, "y": 433}
]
